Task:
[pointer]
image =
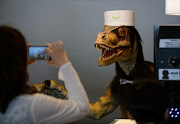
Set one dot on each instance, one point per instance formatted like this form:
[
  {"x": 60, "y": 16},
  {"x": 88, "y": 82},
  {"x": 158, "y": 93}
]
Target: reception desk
[{"x": 123, "y": 121}]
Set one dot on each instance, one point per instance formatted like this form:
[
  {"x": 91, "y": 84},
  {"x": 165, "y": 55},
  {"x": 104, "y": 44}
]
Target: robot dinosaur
[
  {"x": 51, "y": 88},
  {"x": 120, "y": 45}
]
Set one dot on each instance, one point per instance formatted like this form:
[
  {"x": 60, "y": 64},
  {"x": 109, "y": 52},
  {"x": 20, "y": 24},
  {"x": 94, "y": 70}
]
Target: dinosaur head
[{"x": 118, "y": 44}]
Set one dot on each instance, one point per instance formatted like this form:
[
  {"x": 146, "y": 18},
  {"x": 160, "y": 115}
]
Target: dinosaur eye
[{"x": 121, "y": 32}]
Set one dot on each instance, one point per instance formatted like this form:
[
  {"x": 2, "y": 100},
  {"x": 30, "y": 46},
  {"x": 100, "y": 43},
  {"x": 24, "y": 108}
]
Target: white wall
[{"x": 77, "y": 23}]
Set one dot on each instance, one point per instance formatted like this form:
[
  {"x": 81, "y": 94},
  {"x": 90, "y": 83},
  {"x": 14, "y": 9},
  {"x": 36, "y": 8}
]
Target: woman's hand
[{"x": 57, "y": 53}]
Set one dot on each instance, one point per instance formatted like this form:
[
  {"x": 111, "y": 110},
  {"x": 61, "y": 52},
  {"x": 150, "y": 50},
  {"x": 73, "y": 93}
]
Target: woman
[{"x": 17, "y": 106}]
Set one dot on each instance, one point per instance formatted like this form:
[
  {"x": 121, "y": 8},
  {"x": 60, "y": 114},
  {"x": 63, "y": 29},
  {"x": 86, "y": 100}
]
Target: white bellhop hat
[{"x": 119, "y": 17}]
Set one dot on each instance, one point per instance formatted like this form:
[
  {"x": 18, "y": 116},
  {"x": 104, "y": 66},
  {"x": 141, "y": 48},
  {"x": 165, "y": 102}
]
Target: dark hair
[
  {"x": 134, "y": 35},
  {"x": 147, "y": 101},
  {"x": 13, "y": 65},
  {"x": 141, "y": 69}
]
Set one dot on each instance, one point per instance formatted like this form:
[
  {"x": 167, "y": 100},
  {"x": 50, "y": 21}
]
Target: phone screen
[{"x": 38, "y": 53}]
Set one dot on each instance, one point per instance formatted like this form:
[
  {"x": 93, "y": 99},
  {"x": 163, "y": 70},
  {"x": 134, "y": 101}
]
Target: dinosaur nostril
[{"x": 104, "y": 37}]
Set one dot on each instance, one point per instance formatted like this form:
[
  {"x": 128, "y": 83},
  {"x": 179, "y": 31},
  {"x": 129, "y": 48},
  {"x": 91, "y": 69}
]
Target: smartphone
[{"x": 38, "y": 53}]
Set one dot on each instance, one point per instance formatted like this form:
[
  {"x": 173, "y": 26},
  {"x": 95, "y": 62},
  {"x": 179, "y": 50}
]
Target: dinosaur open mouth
[{"x": 109, "y": 53}]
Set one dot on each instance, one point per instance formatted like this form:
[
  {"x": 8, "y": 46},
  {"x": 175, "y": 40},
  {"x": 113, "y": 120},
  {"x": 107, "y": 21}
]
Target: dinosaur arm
[
  {"x": 105, "y": 105},
  {"x": 52, "y": 88}
]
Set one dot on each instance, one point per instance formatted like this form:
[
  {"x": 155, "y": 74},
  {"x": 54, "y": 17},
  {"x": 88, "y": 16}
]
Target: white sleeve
[{"x": 49, "y": 110}]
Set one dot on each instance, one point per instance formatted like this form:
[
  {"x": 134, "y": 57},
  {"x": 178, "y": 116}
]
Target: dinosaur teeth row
[
  {"x": 102, "y": 46},
  {"x": 105, "y": 58}
]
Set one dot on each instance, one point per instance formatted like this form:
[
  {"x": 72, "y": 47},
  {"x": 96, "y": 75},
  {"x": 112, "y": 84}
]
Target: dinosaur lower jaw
[{"x": 110, "y": 54}]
